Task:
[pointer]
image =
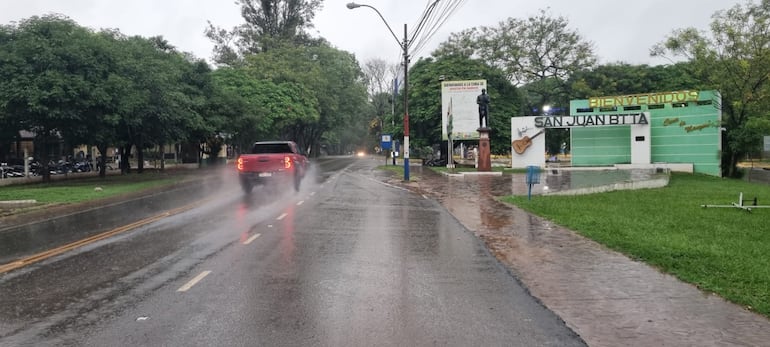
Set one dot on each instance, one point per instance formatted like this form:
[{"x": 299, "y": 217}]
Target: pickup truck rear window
[{"x": 263, "y": 148}]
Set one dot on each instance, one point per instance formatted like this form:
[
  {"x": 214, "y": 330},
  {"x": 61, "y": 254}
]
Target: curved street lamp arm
[{"x": 353, "y": 5}]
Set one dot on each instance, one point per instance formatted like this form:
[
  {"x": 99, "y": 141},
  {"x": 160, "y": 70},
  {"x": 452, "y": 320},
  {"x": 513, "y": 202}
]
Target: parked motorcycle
[{"x": 82, "y": 166}]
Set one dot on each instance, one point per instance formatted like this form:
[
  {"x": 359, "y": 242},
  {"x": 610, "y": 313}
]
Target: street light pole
[
  {"x": 405, "y": 47},
  {"x": 406, "y": 106}
]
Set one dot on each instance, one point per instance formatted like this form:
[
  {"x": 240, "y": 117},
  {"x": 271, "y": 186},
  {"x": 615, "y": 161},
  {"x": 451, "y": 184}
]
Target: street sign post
[{"x": 386, "y": 141}]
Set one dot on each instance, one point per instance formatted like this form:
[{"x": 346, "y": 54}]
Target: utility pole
[
  {"x": 405, "y": 47},
  {"x": 406, "y": 105}
]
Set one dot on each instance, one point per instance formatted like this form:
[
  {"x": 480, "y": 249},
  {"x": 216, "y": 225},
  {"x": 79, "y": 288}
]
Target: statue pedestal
[{"x": 485, "y": 161}]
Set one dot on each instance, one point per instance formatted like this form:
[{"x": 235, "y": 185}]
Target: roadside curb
[
  {"x": 12, "y": 202},
  {"x": 473, "y": 173},
  {"x": 9, "y": 204}
]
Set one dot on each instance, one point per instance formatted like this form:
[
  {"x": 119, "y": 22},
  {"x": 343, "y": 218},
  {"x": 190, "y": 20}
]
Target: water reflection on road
[{"x": 608, "y": 299}]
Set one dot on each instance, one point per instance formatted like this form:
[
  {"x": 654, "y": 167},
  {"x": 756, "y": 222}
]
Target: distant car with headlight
[{"x": 271, "y": 162}]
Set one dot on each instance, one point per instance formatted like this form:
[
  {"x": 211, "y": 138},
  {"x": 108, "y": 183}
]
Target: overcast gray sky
[{"x": 621, "y": 30}]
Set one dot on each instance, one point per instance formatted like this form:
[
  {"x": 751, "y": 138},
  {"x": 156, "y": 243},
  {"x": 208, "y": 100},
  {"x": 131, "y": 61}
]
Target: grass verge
[
  {"x": 720, "y": 250},
  {"x": 85, "y": 189},
  {"x": 398, "y": 169}
]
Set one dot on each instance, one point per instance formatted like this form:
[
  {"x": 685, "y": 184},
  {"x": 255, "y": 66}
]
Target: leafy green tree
[
  {"x": 269, "y": 110},
  {"x": 8, "y": 134},
  {"x": 464, "y": 44},
  {"x": 69, "y": 84},
  {"x": 624, "y": 79},
  {"x": 539, "y": 52},
  {"x": 342, "y": 96},
  {"x": 425, "y": 98},
  {"x": 100, "y": 119},
  {"x": 191, "y": 110},
  {"x": 734, "y": 59},
  {"x": 160, "y": 97},
  {"x": 329, "y": 76},
  {"x": 138, "y": 64},
  {"x": 290, "y": 98},
  {"x": 269, "y": 24},
  {"x": 274, "y": 45},
  {"x": 51, "y": 72},
  {"x": 240, "y": 96},
  {"x": 8, "y": 129},
  {"x": 174, "y": 112}
]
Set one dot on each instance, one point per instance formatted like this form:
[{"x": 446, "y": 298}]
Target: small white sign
[{"x": 767, "y": 143}]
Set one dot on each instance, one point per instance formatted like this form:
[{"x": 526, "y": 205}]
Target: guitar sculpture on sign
[{"x": 521, "y": 145}]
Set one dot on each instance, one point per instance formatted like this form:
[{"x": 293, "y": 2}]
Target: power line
[
  {"x": 434, "y": 15},
  {"x": 424, "y": 18},
  {"x": 437, "y": 18}
]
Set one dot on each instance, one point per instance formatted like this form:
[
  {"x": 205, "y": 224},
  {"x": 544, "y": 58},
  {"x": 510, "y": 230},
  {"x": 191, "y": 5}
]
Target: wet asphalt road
[{"x": 347, "y": 261}]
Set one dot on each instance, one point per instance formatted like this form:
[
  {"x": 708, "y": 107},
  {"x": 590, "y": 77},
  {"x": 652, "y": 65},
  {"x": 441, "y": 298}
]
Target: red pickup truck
[{"x": 272, "y": 162}]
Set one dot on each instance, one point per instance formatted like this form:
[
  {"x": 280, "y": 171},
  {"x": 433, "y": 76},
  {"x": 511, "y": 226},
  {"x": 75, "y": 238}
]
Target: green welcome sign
[{"x": 684, "y": 128}]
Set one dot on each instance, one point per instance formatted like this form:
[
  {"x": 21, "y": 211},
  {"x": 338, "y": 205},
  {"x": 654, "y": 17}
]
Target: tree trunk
[
  {"x": 102, "y": 160},
  {"x": 731, "y": 170},
  {"x": 139, "y": 159},
  {"x": 162, "y": 156},
  {"x": 125, "y": 165},
  {"x": 44, "y": 157},
  {"x": 140, "y": 154}
]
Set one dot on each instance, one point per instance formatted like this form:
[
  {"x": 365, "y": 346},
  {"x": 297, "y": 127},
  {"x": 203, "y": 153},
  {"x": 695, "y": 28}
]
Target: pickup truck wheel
[
  {"x": 247, "y": 187},
  {"x": 297, "y": 181}
]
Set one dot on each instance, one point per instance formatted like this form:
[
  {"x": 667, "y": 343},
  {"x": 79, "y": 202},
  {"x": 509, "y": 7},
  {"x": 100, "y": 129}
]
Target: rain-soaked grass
[
  {"x": 721, "y": 250},
  {"x": 85, "y": 189},
  {"x": 399, "y": 169}
]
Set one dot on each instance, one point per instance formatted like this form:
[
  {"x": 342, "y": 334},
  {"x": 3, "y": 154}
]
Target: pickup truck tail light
[
  {"x": 240, "y": 164},
  {"x": 287, "y": 162}
]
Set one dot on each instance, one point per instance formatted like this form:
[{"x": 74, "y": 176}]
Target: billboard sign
[{"x": 459, "y": 99}]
